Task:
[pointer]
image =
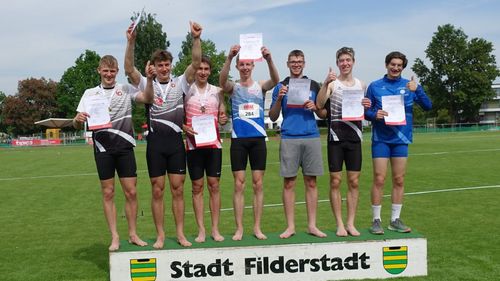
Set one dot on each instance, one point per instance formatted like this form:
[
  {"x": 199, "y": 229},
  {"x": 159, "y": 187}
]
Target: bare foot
[
  {"x": 115, "y": 244},
  {"x": 200, "y": 238},
  {"x": 287, "y": 233},
  {"x": 341, "y": 231},
  {"x": 316, "y": 232},
  {"x": 216, "y": 236},
  {"x": 259, "y": 235},
  {"x": 238, "y": 235},
  {"x": 184, "y": 242},
  {"x": 134, "y": 239},
  {"x": 351, "y": 230},
  {"x": 159, "y": 243}
]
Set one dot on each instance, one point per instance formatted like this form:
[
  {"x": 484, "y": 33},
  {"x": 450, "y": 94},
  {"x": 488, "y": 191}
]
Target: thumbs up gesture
[
  {"x": 331, "y": 76},
  {"x": 412, "y": 84}
]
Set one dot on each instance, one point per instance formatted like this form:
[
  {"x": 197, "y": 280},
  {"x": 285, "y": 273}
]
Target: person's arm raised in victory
[
  {"x": 195, "y": 53},
  {"x": 130, "y": 70},
  {"x": 224, "y": 82},
  {"x": 273, "y": 72}
]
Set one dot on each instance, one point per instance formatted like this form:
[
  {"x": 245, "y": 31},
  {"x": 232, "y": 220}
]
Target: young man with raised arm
[
  {"x": 165, "y": 148},
  {"x": 248, "y": 134}
]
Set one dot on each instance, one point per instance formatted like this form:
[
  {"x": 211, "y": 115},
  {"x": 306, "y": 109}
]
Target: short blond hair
[{"x": 108, "y": 61}]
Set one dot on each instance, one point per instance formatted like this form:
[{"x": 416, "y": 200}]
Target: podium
[{"x": 300, "y": 257}]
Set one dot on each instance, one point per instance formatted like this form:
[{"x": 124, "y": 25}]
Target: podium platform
[{"x": 301, "y": 257}]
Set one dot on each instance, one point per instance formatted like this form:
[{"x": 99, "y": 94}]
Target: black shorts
[
  {"x": 203, "y": 160},
  {"x": 165, "y": 155},
  {"x": 344, "y": 151},
  {"x": 123, "y": 161},
  {"x": 244, "y": 148}
]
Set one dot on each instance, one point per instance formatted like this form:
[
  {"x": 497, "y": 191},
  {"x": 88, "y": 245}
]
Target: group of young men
[{"x": 174, "y": 102}]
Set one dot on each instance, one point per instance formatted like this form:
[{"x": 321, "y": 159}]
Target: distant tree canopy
[
  {"x": 461, "y": 73},
  {"x": 150, "y": 37},
  {"x": 75, "y": 81},
  {"x": 2, "y": 124},
  {"x": 35, "y": 101}
]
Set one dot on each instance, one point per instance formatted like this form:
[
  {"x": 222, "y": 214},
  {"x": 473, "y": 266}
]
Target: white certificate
[
  {"x": 394, "y": 106},
  {"x": 204, "y": 126},
  {"x": 299, "y": 91},
  {"x": 352, "y": 109},
  {"x": 250, "y": 47},
  {"x": 97, "y": 107}
]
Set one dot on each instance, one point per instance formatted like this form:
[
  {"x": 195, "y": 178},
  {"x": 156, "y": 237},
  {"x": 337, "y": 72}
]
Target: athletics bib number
[{"x": 249, "y": 110}]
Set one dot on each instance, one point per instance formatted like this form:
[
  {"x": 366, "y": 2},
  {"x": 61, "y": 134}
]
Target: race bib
[{"x": 249, "y": 110}]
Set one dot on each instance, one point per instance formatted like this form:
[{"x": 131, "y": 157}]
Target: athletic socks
[
  {"x": 376, "y": 209},
  {"x": 396, "y": 211}
]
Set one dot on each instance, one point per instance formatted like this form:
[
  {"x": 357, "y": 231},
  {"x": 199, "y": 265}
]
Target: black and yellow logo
[
  {"x": 143, "y": 269},
  {"x": 395, "y": 259}
]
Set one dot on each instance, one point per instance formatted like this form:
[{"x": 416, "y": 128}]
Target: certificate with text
[
  {"x": 299, "y": 91},
  {"x": 394, "y": 106},
  {"x": 98, "y": 109},
  {"x": 250, "y": 47},
  {"x": 352, "y": 109},
  {"x": 205, "y": 127}
]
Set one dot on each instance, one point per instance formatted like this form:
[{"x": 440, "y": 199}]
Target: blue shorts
[{"x": 389, "y": 150}]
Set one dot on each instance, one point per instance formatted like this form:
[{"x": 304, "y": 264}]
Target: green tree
[
  {"x": 461, "y": 74},
  {"x": 150, "y": 37},
  {"x": 75, "y": 81},
  {"x": 35, "y": 101},
  {"x": 2, "y": 124},
  {"x": 208, "y": 50}
]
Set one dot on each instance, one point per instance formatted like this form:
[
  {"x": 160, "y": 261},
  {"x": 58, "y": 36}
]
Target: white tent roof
[{"x": 55, "y": 122}]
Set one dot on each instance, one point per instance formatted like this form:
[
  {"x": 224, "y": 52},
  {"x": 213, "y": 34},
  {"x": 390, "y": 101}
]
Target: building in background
[{"x": 489, "y": 113}]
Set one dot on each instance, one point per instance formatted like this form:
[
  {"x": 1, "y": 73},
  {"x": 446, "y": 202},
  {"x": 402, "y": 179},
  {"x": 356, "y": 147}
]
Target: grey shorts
[{"x": 305, "y": 153}]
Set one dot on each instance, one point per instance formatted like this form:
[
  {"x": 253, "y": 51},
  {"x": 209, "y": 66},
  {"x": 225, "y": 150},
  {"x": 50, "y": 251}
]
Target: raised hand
[
  {"x": 235, "y": 49},
  {"x": 266, "y": 54},
  {"x": 150, "y": 71},
  {"x": 332, "y": 76},
  {"x": 131, "y": 33},
  {"x": 195, "y": 29},
  {"x": 412, "y": 84}
]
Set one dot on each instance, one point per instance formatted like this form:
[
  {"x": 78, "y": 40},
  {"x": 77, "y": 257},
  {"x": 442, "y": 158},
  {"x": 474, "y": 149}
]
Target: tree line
[{"x": 458, "y": 78}]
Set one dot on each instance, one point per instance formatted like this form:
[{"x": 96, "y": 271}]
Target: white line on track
[{"x": 387, "y": 195}]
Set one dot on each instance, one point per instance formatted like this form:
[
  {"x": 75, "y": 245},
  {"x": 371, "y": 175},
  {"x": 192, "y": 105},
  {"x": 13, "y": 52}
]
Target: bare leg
[
  {"x": 289, "y": 206},
  {"x": 311, "y": 205},
  {"x": 108, "y": 194},
  {"x": 258, "y": 202},
  {"x": 197, "y": 191},
  {"x": 177, "y": 190},
  {"x": 336, "y": 202},
  {"x": 379, "y": 173},
  {"x": 130, "y": 191},
  {"x": 398, "y": 168},
  {"x": 215, "y": 204},
  {"x": 352, "y": 201},
  {"x": 158, "y": 209},
  {"x": 238, "y": 203}
]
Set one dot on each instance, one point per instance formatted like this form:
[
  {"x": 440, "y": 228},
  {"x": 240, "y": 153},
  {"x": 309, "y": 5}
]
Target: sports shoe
[
  {"x": 376, "y": 227},
  {"x": 398, "y": 226}
]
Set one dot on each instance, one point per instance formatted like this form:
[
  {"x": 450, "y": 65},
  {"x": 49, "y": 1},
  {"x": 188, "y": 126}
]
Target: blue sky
[{"x": 44, "y": 38}]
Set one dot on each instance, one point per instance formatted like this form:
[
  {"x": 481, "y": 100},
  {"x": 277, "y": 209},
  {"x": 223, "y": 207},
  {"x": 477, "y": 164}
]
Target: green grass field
[{"x": 52, "y": 225}]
